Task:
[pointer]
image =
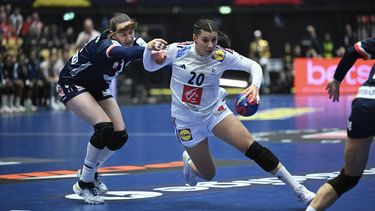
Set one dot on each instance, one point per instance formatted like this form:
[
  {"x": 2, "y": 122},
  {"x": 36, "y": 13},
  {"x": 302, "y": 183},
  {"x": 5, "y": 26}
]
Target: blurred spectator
[
  {"x": 51, "y": 68},
  {"x": 297, "y": 51},
  {"x": 69, "y": 39},
  {"x": 311, "y": 44},
  {"x": 366, "y": 26},
  {"x": 16, "y": 20},
  {"x": 87, "y": 34},
  {"x": 340, "y": 51},
  {"x": 2, "y": 83},
  {"x": 36, "y": 82},
  {"x": 328, "y": 46},
  {"x": 36, "y": 25},
  {"x": 349, "y": 36},
  {"x": 13, "y": 85},
  {"x": 25, "y": 30},
  {"x": 12, "y": 42},
  {"x": 259, "y": 51},
  {"x": 141, "y": 86},
  {"x": 287, "y": 84},
  {"x": 22, "y": 71},
  {"x": 5, "y": 27}
]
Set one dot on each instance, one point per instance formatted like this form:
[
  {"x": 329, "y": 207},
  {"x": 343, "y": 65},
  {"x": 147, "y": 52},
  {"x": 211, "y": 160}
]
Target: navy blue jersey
[
  {"x": 98, "y": 62},
  {"x": 367, "y": 49},
  {"x": 364, "y": 49}
]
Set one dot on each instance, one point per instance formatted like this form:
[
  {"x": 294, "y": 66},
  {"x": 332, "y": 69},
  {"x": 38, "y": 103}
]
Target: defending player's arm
[
  {"x": 350, "y": 57},
  {"x": 149, "y": 61},
  {"x": 130, "y": 53}
]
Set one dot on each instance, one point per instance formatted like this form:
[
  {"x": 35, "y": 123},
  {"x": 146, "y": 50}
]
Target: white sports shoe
[
  {"x": 99, "y": 185},
  {"x": 189, "y": 175},
  {"x": 304, "y": 195},
  {"x": 88, "y": 194}
]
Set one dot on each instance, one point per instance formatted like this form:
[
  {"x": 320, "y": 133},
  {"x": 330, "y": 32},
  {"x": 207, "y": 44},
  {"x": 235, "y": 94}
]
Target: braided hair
[{"x": 210, "y": 26}]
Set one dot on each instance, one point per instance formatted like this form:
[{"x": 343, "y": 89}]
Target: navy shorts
[
  {"x": 68, "y": 90},
  {"x": 361, "y": 122}
]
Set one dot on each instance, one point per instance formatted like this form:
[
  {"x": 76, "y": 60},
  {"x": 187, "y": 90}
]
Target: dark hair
[
  {"x": 120, "y": 18},
  {"x": 210, "y": 26}
]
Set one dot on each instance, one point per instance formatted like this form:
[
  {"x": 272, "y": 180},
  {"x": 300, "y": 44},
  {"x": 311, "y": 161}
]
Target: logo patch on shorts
[
  {"x": 106, "y": 92},
  {"x": 349, "y": 127},
  {"x": 220, "y": 110},
  {"x": 185, "y": 134}
]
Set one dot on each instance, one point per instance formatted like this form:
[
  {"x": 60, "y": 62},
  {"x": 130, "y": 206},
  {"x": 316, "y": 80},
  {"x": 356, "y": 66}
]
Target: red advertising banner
[
  {"x": 270, "y": 2},
  {"x": 312, "y": 75}
]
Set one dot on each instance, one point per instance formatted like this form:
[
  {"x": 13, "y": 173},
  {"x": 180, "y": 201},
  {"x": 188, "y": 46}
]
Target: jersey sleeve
[
  {"x": 151, "y": 66},
  {"x": 114, "y": 50},
  {"x": 364, "y": 49},
  {"x": 235, "y": 61},
  {"x": 140, "y": 42}
]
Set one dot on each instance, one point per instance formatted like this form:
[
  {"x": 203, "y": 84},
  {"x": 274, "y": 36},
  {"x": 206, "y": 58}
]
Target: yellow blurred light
[{"x": 62, "y": 3}]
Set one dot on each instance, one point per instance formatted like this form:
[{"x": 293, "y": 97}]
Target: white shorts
[{"x": 196, "y": 129}]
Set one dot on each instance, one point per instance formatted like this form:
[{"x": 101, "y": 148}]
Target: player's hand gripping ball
[{"x": 244, "y": 106}]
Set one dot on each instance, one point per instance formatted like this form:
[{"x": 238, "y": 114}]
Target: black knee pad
[
  {"x": 118, "y": 140},
  {"x": 343, "y": 183},
  {"x": 262, "y": 156},
  {"x": 102, "y": 135}
]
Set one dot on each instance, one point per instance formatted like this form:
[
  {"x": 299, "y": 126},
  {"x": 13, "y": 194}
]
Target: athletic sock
[
  {"x": 287, "y": 178},
  {"x": 89, "y": 166},
  {"x": 104, "y": 155},
  {"x": 310, "y": 208}
]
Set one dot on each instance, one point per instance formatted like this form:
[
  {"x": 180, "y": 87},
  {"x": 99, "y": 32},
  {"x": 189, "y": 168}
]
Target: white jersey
[{"x": 195, "y": 79}]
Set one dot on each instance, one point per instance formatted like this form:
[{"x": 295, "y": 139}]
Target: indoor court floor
[{"x": 40, "y": 153}]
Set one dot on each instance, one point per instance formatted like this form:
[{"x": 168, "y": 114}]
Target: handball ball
[{"x": 243, "y": 105}]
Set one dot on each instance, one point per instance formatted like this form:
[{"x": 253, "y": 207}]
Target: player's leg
[
  {"x": 356, "y": 156},
  {"x": 196, "y": 157},
  {"x": 120, "y": 135},
  {"x": 232, "y": 131},
  {"x": 86, "y": 107},
  {"x": 201, "y": 160}
]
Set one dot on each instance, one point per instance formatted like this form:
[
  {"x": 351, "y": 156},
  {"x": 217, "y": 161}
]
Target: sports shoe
[
  {"x": 88, "y": 193},
  {"x": 189, "y": 175},
  {"x": 304, "y": 195},
  {"x": 99, "y": 185}
]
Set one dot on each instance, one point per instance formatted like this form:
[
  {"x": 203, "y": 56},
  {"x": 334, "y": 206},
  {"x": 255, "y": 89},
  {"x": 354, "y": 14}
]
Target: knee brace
[
  {"x": 343, "y": 183},
  {"x": 103, "y": 133},
  {"x": 118, "y": 140},
  {"x": 262, "y": 156}
]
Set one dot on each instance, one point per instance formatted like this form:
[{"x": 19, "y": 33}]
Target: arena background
[{"x": 41, "y": 149}]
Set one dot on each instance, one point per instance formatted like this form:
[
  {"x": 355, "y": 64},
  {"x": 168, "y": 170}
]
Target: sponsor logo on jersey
[
  {"x": 185, "y": 134},
  {"x": 192, "y": 95},
  {"x": 219, "y": 55}
]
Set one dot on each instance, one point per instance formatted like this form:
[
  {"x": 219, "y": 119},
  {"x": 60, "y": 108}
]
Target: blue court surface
[{"x": 41, "y": 152}]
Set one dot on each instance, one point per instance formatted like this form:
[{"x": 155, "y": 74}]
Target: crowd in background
[
  {"x": 31, "y": 57},
  {"x": 33, "y": 53},
  {"x": 310, "y": 46}
]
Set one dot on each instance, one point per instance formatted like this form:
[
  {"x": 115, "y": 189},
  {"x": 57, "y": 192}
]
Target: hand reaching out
[{"x": 333, "y": 89}]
